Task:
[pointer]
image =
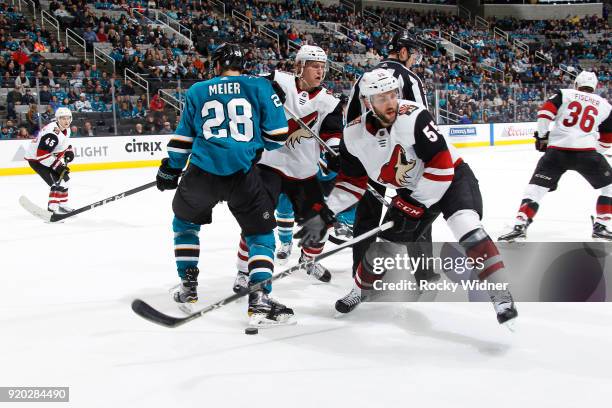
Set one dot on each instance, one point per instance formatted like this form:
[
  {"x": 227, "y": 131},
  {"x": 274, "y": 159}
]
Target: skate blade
[
  {"x": 262, "y": 322},
  {"x": 510, "y": 325},
  {"x": 600, "y": 239},
  {"x": 187, "y": 308}
]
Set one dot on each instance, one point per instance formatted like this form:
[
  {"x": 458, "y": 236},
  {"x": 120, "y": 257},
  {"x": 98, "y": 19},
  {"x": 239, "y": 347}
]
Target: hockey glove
[
  {"x": 279, "y": 91},
  {"x": 406, "y": 214},
  {"x": 167, "y": 177},
  {"x": 541, "y": 143},
  {"x": 333, "y": 161},
  {"x": 314, "y": 229},
  {"x": 68, "y": 155},
  {"x": 59, "y": 167}
]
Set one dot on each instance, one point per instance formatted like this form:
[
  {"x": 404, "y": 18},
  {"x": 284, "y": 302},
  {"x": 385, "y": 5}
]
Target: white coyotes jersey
[
  {"x": 576, "y": 116},
  {"x": 299, "y": 157},
  {"x": 49, "y": 143},
  {"x": 411, "y": 154}
]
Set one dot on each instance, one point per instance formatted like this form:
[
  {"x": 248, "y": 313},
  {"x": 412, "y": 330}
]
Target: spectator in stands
[
  {"x": 138, "y": 130},
  {"x": 83, "y": 105},
  {"x": 23, "y": 133},
  {"x": 32, "y": 119},
  {"x": 28, "y": 96},
  {"x": 13, "y": 98},
  {"x": 139, "y": 110},
  {"x": 97, "y": 105},
  {"x": 157, "y": 104},
  {"x": 74, "y": 131},
  {"x": 4, "y": 133},
  {"x": 12, "y": 129},
  {"x": 48, "y": 115},
  {"x": 125, "y": 110},
  {"x": 128, "y": 89},
  {"x": 101, "y": 35},
  {"x": 90, "y": 38},
  {"x": 167, "y": 129},
  {"x": 22, "y": 80},
  {"x": 45, "y": 95},
  {"x": 150, "y": 125},
  {"x": 88, "y": 129}
]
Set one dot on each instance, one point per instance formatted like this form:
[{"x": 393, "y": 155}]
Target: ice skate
[
  {"x": 59, "y": 209},
  {"x": 350, "y": 301},
  {"x": 518, "y": 233},
  {"x": 241, "y": 284},
  {"x": 504, "y": 307},
  {"x": 343, "y": 230},
  {"x": 601, "y": 232},
  {"x": 266, "y": 312},
  {"x": 283, "y": 254},
  {"x": 185, "y": 294},
  {"x": 316, "y": 270}
]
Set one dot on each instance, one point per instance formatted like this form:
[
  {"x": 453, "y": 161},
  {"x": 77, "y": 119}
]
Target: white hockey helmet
[
  {"x": 62, "y": 112},
  {"x": 376, "y": 82},
  {"x": 586, "y": 78},
  {"x": 310, "y": 53}
]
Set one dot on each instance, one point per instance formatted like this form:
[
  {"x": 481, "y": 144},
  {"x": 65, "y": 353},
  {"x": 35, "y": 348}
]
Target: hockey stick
[
  {"x": 331, "y": 151},
  {"x": 51, "y": 217},
  {"x": 146, "y": 311}
]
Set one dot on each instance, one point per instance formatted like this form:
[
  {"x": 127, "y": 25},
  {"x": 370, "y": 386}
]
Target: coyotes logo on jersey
[
  {"x": 396, "y": 170},
  {"x": 296, "y": 133}
]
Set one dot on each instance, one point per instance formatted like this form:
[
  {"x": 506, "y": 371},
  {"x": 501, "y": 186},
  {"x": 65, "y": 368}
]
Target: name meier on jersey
[{"x": 224, "y": 88}]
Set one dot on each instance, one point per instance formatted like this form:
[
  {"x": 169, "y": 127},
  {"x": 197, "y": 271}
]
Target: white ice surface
[{"x": 65, "y": 317}]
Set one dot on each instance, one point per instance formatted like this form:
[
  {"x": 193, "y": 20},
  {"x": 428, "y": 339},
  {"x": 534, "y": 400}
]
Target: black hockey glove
[
  {"x": 279, "y": 91},
  {"x": 59, "y": 167},
  {"x": 333, "y": 161},
  {"x": 406, "y": 215},
  {"x": 68, "y": 155},
  {"x": 314, "y": 229},
  {"x": 167, "y": 177},
  {"x": 541, "y": 143}
]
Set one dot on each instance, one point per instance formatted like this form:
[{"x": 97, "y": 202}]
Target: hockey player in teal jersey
[{"x": 226, "y": 123}]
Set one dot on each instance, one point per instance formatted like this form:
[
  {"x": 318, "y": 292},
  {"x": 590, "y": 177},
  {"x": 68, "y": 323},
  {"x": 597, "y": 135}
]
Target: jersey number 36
[
  {"x": 587, "y": 120},
  {"x": 238, "y": 114}
]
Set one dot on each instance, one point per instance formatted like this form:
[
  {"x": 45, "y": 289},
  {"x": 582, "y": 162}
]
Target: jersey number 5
[
  {"x": 239, "y": 114},
  {"x": 586, "y": 121}
]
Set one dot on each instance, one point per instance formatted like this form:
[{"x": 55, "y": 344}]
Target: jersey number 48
[{"x": 238, "y": 113}]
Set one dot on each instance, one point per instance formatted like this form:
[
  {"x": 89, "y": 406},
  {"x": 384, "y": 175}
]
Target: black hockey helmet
[
  {"x": 230, "y": 56},
  {"x": 404, "y": 38}
]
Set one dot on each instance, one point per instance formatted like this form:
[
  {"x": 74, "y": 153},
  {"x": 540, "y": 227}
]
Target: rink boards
[{"x": 116, "y": 152}]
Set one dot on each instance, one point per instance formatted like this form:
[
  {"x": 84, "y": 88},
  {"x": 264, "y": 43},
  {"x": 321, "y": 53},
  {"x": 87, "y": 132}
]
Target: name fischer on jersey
[{"x": 586, "y": 98}]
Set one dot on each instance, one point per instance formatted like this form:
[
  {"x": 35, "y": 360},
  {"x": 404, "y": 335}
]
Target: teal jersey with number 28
[{"x": 226, "y": 122}]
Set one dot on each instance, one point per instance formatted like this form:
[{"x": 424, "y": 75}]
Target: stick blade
[
  {"x": 35, "y": 210},
  {"x": 148, "y": 312}
]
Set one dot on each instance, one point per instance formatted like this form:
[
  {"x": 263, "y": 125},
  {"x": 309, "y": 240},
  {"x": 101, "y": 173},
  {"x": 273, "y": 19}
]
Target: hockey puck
[{"x": 251, "y": 330}]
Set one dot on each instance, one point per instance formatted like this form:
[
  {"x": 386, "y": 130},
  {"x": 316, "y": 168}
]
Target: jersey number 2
[
  {"x": 239, "y": 114},
  {"x": 586, "y": 121}
]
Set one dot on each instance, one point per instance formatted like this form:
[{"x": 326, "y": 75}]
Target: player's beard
[{"x": 388, "y": 117}]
